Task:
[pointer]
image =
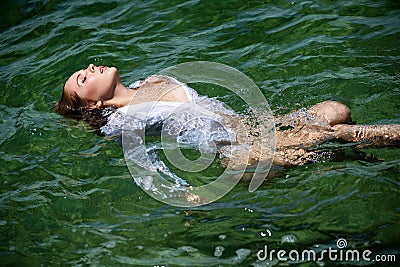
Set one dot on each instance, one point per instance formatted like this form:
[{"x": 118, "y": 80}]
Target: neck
[{"x": 122, "y": 96}]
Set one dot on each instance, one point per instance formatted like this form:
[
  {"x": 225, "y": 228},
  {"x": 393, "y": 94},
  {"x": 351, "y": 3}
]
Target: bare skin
[
  {"x": 294, "y": 145},
  {"x": 159, "y": 88},
  {"x": 299, "y": 143},
  {"x": 102, "y": 86},
  {"x": 332, "y": 112}
]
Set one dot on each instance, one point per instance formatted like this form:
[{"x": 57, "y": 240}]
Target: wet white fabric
[
  {"x": 194, "y": 123},
  {"x": 197, "y": 123}
]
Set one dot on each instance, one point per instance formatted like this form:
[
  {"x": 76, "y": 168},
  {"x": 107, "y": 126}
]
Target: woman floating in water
[{"x": 97, "y": 96}]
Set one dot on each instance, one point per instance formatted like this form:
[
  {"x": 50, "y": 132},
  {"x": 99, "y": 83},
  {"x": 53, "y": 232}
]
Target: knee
[{"x": 332, "y": 111}]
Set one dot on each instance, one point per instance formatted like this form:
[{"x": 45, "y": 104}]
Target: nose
[{"x": 91, "y": 68}]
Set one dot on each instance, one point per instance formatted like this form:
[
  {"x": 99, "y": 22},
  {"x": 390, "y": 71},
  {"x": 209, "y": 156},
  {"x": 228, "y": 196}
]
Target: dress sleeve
[
  {"x": 114, "y": 124},
  {"x": 135, "y": 85}
]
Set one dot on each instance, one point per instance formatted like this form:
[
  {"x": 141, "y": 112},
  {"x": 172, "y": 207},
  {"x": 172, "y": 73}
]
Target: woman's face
[{"x": 93, "y": 83}]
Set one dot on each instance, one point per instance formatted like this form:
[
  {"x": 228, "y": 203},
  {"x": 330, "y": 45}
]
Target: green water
[{"x": 66, "y": 195}]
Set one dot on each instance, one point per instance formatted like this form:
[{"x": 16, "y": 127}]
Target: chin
[
  {"x": 113, "y": 72},
  {"x": 113, "y": 69}
]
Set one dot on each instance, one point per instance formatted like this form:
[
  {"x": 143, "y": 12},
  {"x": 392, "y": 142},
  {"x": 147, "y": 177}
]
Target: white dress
[{"x": 197, "y": 123}]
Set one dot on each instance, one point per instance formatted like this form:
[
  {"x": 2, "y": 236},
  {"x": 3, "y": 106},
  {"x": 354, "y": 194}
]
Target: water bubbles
[
  {"x": 288, "y": 239},
  {"x": 188, "y": 249},
  {"x": 218, "y": 251},
  {"x": 249, "y": 210},
  {"x": 110, "y": 244},
  {"x": 242, "y": 253},
  {"x": 222, "y": 237},
  {"x": 34, "y": 131}
]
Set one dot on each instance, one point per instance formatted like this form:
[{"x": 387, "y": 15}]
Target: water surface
[{"x": 66, "y": 195}]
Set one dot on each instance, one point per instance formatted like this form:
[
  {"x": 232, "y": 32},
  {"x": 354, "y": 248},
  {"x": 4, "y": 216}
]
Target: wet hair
[{"x": 72, "y": 106}]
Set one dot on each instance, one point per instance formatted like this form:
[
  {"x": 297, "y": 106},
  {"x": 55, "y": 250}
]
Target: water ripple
[{"x": 66, "y": 194}]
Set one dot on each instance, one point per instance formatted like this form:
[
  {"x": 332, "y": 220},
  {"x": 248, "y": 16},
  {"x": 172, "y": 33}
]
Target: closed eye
[{"x": 79, "y": 81}]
